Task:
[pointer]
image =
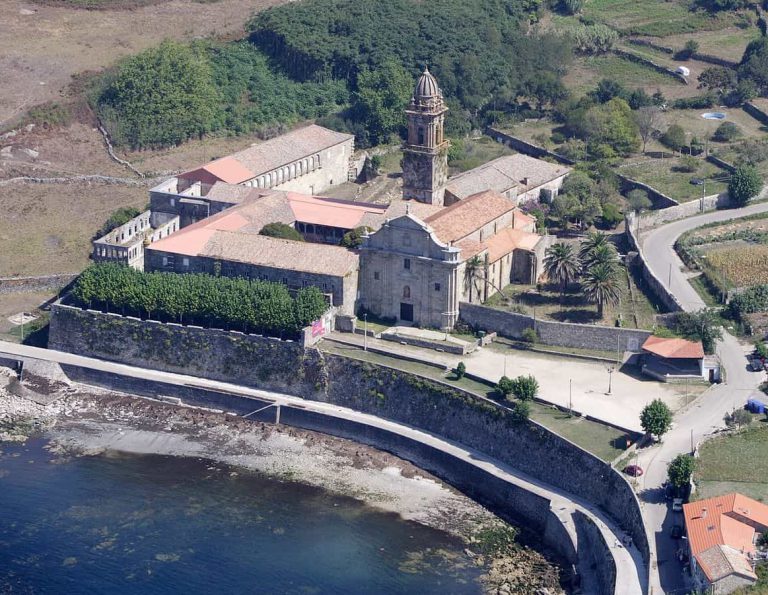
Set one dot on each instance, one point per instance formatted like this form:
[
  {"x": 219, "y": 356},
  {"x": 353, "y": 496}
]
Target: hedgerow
[{"x": 221, "y": 302}]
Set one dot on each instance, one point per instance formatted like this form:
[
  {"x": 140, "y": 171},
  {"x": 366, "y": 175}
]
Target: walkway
[
  {"x": 630, "y": 568},
  {"x": 707, "y": 412},
  {"x": 583, "y": 382}
]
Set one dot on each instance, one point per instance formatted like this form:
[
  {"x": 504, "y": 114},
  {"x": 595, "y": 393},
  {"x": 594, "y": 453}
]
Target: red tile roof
[
  {"x": 467, "y": 216},
  {"x": 508, "y": 240},
  {"x": 332, "y": 212},
  {"x": 674, "y": 348}
]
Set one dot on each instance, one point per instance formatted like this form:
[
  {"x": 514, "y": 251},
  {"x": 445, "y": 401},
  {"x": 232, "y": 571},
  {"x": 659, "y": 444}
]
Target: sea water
[{"x": 144, "y": 524}]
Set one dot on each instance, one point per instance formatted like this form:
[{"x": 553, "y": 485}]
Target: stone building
[
  {"x": 517, "y": 177},
  {"x": 425, "y": 152},
  {"x": 125, "y": 244},
  {"x": 309, "y": 160},
  {"x": 418, "y": 271},
  {"x": 229, "y": 244}
]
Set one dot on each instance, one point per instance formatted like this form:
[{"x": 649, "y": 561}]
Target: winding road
[{"x": 702, "y": 416}]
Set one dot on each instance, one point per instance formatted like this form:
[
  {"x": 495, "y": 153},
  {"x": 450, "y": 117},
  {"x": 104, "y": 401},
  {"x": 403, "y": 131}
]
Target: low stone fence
[
  {"x": 721, "y": 163},
  {"x": 525, "y": 147},
  {"x": 651, "y": 219},
  {"x": 446, "y": 346},
  {"x": 563, "y": 334},
  {"x": 30, "y": 284},
  {"x": 659, "y": 199},
  {"x": 388, "y": 393},
  {"x": 756, "y": 112}
]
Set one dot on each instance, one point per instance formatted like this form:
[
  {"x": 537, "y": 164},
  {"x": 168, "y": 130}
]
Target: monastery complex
[{"x": 448, "y": 240}]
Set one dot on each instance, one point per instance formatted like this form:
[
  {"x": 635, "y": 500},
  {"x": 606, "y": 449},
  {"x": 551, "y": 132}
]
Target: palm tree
[
  {"x": 601, "y": 286},
  {"x": 594, "y": 240},
  {"x": 561, "y": 265},
  {"x": 602, "y": 254}
]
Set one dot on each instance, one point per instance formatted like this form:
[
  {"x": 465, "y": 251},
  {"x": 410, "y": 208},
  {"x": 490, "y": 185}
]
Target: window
[
  {"x": 185, "y": 262},
  {"x": 173, "y": 202},
  {"x": 376, "y": 276},
  {"x": 407, "y": 264},
  {"x": 421, "y": 136},
  {"x": 406, "y": 292},
  {"x": 437, "y": 287}
]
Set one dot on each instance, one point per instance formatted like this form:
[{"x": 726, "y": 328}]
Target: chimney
[
  {"x": 525, "y": 181},
  {"x": 703, "y": 513}
]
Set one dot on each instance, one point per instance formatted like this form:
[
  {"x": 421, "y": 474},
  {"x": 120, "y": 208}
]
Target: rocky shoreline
[{"x": 80, "y": 420}]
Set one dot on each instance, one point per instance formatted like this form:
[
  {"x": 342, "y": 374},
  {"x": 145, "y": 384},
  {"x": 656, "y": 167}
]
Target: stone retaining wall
[
  {"x": 756, "y": 112},
  {"x": 650, "y": 219},
  {"x": 650, "y": 64},
  {"x": 564, "y": 334},
  {"x": 659, "y": 199},
  {"x": 285, "y": 367},
  {"x": 30, "y": 284}
]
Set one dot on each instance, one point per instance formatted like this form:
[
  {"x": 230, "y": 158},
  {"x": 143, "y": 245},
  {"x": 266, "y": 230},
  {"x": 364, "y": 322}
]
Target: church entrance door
[{"x": 406, "y": 312}]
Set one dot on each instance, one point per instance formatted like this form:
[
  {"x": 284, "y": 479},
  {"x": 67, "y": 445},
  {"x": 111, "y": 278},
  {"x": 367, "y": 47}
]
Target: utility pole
[
  {"x": 365, "y": 334},
  {"x": 22, "y": 327},
  {"x": 691, "y": 440},
  {"x": 618, "y": 348},
  {"x": 570, "y": 397},
  {"x": 669, "y": 283},
  {"x": 610, "y": 378}
]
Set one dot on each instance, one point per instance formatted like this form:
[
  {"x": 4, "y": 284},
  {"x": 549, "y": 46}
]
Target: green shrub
[
  {"x": 612, "y": 216},
  {"x": 727, "y": 132},
  {"x": 353, "y": 238},
  {"x": 525, "y": 388},
  {"x": 697, "y": 102},
  {"x": 688, "y": 164},
  {"x": 529, "y": 335},
  {"x": 49, "y": 115},
  {"x": 460, "y": 370},
  {"x": 282, "y": 231},
  {"x": 745, "y": 184},
  {"x": 522, "y": 412},
  {"x": 638, "y": 200},
  {"x": 674, "y": 137},
  {"x": 505, "y": 386}
]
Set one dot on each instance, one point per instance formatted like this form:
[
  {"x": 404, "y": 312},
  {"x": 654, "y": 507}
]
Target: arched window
[
  {"x": 293, "y": 170},
  {"x": 269, "y": 180},
  {"x": 279, "y": 176},
  {"x": 421, "y": 136},
  {"x": 407, "y": 292}
]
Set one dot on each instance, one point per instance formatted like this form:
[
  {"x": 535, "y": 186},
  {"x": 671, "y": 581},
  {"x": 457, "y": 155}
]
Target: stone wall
[
  {"x": 385, "y": 392},
  {"x": 659, "y": 199},
  {"x": 523, "y": 146},
  {"x": 29, "y": 284},
  {"x": 650, "y": 219},
  {"x": 756, "y": 112},
  {"x": 650, "y": 64},
  {"x": 563, "y": 334}
]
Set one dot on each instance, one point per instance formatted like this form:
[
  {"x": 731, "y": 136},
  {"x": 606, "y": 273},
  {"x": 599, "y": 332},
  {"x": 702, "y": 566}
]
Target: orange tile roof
[
  {"x": 467, "y": 216},
  {"x": 508, "y": 240},
  {"x": 721, "y": 525},
  {"x": 332, "y": 212},
  {"x": 720, "y": 561},
  {"x": 674, "y": 348}
]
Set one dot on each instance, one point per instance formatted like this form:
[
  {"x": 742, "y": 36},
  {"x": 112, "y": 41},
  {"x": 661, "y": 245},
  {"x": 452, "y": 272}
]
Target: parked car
[
  {"x": 676, "y": 532},
  {"x": 697, "y": 181},
  {"x": 677, "y": 505},
  {"x": 756, "y": 365},
  {"x": 633, "y": 470}
]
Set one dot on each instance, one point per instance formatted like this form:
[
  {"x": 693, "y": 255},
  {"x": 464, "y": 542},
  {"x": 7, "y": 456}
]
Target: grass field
[
  {"x": 663, "y": 175},
  {"x": 738, "y": 264},
  {"x": 586, "y": 72},
  {"x": 475, "y": 152},
  {"x": 603, "y": 441},
  {"x": 735, "y": 462},
  {"x": 546, "y": 304},
  {"x": 656, "y": 18},
  {"x": 728, "y": 43}
]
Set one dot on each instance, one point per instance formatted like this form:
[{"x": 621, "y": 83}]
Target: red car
[{"x": 633, "y": 470}]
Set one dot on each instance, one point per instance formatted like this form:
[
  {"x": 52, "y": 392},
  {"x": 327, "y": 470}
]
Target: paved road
[
  {"x": 630, "y": 578},
  {"x": 706, "y": 413}
]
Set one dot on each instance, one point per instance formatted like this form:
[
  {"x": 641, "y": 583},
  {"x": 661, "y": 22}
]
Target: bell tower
[{"x": 425, "y": 153}]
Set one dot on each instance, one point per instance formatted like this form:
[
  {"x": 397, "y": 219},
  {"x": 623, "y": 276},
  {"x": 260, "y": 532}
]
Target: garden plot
[
  {"x": 667, "y": 176},
  {"x": 737, "y": 264}
]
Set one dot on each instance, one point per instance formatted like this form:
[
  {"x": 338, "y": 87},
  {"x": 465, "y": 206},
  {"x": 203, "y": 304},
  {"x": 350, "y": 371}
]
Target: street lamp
[
  {"x": 365, "y": 334},
  {"x": 610, "y": 377}
]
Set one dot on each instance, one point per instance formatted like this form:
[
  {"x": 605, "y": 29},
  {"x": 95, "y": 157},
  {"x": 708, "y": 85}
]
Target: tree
[
  {"x": 381, "y": 97},
  {"x": 754, "y": 64},
  {"x": 281, "y": 230},
  {"x": 353, "y": 238},
  {"x": 612, "y": 124},
  {"x": 525, "y": 388},
  {"x": 680, "y": 470},
  {"x": 689, "y": 49},
  {"x": 606, "y": 90},
  {"x": 571, "y": 6},
  {"x": 595, "y": 240},
  {"x": 718, "y": 79},
  {"x": 726, "y": 132},
  {"x": 505, "y": 386},
  {"x": 561, "y": 265},
  {"x": 638, "y": 200},
  {"x": 601, "y": 285},
  {"x": 648, "y": 121},
  {"x": 674, "y": 137},
  {"x": 656, "y": 418},
  {"x": 702, "y": 325},
  {"x": 745, "y": 184},
  {"x": 161, "y": 96}
]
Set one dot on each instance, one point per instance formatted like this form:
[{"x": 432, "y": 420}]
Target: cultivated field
[
  {"x": 736, "y": 462},
  {"x": 738, "y": 264}
]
